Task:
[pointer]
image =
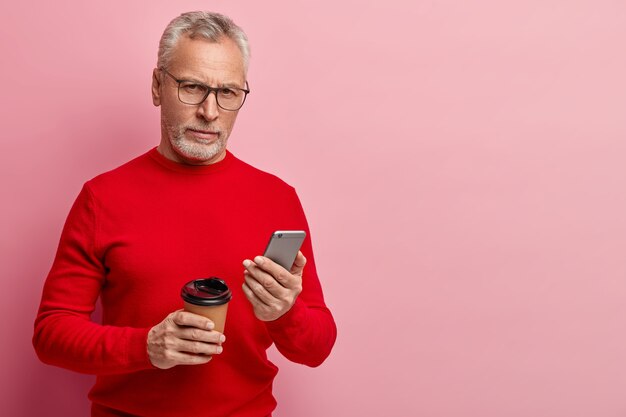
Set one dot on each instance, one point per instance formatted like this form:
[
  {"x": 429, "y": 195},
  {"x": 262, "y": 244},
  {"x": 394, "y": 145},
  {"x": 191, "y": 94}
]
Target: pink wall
[{"x": 462, "y": 164}]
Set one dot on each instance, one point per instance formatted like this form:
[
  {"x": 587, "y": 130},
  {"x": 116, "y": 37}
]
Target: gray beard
[{"x": 196, "y": 150}]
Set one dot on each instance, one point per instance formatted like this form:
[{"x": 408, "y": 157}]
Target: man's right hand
[{"x": 183, "y": 338}]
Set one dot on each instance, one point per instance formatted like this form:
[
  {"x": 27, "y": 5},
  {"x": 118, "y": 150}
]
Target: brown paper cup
[
  {"x": 208, "y": 297},
  {"x": 216, "y": 314}
]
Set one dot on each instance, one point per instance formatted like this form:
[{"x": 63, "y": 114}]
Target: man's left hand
[{"x": 270, "y": 288}]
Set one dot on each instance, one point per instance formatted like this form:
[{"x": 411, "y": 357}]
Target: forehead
[{"x": 210, "y": 62}]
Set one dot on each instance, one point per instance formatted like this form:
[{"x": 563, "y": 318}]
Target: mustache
[{"x": 203, "y": 128}]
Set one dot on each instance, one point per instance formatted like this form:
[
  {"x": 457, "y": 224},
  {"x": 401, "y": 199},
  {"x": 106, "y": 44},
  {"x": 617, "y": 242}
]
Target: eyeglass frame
[{"x": 210, "y": 89}]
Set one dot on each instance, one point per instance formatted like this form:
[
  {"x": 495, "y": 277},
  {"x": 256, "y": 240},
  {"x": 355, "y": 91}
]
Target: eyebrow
[
  {"x": 221, "y": 85},
  {"x": 232, "y": 85}
]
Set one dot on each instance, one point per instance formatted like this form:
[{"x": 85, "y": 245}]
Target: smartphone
[{"x": 283, "y": 247}]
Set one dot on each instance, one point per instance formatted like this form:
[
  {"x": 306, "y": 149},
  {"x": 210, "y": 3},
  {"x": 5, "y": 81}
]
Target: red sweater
[{"x": 134, "y": 236}]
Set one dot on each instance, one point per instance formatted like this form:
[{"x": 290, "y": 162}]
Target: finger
[
  {"x": 264, "y": 279},
  {"x": 298, "y": 264},
  {"x": 185, "y": 318},
  {"x": 182, "y": 358},
  {"x": 199, "y": 335},
  {"x": 260, "y": 291},
  {"x": 251, "y": 296},
  {"x": 198, "y": 348},
  {"x": 280, "y": 274}
]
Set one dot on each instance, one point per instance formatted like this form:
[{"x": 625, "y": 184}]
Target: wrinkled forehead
[{"x": 208, "y": 61}]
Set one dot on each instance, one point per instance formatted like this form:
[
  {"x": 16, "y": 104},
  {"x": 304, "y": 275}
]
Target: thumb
[{"x": 298, "y": 264}]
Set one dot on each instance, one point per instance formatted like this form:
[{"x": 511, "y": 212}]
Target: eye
[
  {"x": 228, "y": 92},
  {"x": 192, "y": 88}
]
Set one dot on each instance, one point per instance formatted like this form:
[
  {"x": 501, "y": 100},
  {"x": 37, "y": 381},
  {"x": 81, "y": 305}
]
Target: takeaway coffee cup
[{"x": 207, "y": 297}]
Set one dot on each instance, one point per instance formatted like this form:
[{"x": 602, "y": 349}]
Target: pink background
[{"x": 462, "y": 165}]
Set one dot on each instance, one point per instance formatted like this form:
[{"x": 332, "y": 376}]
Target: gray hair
[{"x": 208, "y": 25}]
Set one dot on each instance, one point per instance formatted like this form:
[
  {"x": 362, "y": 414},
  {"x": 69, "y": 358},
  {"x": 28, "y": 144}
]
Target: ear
[{"x": 156, "y": 87}]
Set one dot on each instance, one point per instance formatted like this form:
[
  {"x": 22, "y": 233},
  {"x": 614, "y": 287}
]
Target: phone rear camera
[{"x": 280, "y": 235}]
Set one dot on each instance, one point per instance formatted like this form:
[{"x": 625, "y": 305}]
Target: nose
[{"x": 208, "y": 109}]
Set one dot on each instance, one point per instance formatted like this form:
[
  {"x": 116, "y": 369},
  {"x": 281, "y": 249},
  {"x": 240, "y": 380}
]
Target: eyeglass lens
[{"x": 227, "y": 98}]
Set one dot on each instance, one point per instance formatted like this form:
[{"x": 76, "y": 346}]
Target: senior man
[{"x": 184, "y": 210}]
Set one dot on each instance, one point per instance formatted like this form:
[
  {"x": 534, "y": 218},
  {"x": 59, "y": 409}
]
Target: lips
[{"x": 203, "y": 134}]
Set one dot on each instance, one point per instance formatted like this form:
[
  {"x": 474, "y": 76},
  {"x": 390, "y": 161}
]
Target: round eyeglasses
[{"x": 194, "y": 93}]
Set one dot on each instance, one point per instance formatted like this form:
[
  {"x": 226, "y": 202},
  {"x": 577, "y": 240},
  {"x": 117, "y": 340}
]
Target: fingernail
[
  {"x": 259, "y": 260},
  {"x": 210, "y": 325},
  {"x": 220, "y": 349},
  {"x": 247, "y": 263},
  {"x": 222, "y": 339}
]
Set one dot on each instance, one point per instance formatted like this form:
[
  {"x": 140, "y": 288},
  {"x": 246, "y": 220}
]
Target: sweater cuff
[
  {"x": 137, "y": 353},
  {"x": 292, "y": 319}
]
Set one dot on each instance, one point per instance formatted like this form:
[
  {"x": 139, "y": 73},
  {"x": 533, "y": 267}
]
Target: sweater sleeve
[
  {"x": 64, "y": 333},
  {"x": 306, "y": 333}
]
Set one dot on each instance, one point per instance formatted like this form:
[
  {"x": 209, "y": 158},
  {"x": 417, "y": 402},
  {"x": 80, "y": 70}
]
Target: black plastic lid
[{"x": 206, "y": 292}]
